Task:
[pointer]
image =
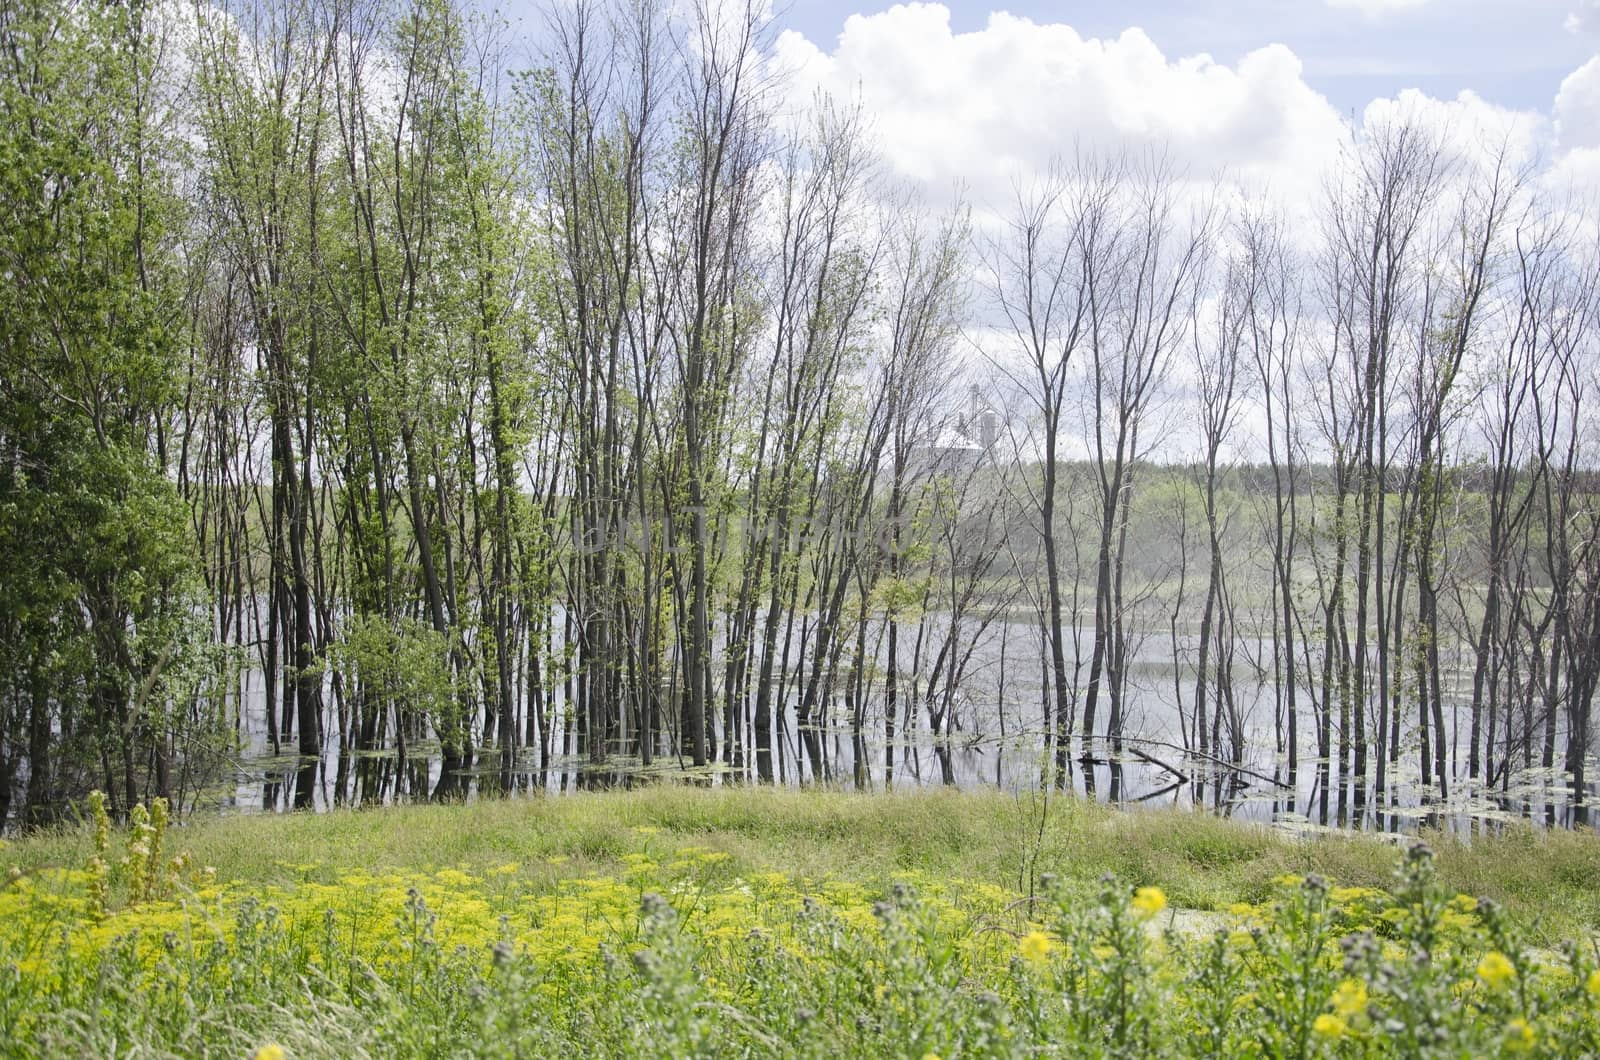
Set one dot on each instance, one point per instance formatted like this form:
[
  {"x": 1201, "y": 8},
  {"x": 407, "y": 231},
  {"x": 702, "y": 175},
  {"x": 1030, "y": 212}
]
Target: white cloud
[
  {"x": 990, "y": 110},
  {"x": 1468, "y": 127},
  {"x": 1577, "y": 107},
  {"x": 1377, "y": 8},
  {"x": 993, "y": 106},
  {"x": 1585, "y": 18},
  {"x": 1576, "y": 169},
  {"x": 1576, "y": 173}
]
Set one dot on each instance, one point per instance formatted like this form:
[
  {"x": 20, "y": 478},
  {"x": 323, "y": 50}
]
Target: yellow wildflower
[
  {"x": 1593, "y": 985},
  {"x": 1519, "y": 1036},
  {"x": 1148, "y": 901},
  {"x": 270, "y": 1051},
  {"x": 1465, "y": 903},
  {"x": 1035, "y": 946},
  {"x": 930, "y": 1056},
  {"x": 1289, "y": 879},
  {"x": 1350, "y": 999},
  {"x": 1329, "y": 1026},
  {"x": 1495, "y": 969}
]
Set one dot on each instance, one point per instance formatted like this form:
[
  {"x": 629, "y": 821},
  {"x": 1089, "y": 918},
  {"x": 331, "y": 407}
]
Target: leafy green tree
[{"x": 97, "y": 630}]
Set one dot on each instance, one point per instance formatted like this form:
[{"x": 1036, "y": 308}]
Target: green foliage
[
  {"x": 100, "y": 620},
  {"x": 404, "y": 665}
]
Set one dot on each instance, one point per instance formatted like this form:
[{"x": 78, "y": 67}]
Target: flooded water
[{"x": 998, "y": 740}]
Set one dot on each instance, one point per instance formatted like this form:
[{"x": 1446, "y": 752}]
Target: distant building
[
  {"x": 982, "y": 422},
  {"x": 962, "y": 442}
]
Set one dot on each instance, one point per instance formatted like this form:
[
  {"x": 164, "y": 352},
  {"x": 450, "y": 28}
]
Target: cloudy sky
[
  {"x": 1511, "y": 52},
  {"x": 980, "y": 93}
]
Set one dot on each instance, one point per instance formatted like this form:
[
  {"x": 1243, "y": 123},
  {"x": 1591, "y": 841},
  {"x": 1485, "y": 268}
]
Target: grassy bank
[
  {"x": 1548, "y": 882},
  {"x": 689, "y": 922}
]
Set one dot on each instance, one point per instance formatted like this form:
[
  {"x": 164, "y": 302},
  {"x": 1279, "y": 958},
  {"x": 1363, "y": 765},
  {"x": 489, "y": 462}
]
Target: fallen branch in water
[
  {"x": 1183, "y": 778},
  {"x": 1274, "y": 781}
]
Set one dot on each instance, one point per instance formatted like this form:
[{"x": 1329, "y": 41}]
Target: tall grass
[
  {"x": 750, "y": 923},
  {"x": 1546, "y": 881}
]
